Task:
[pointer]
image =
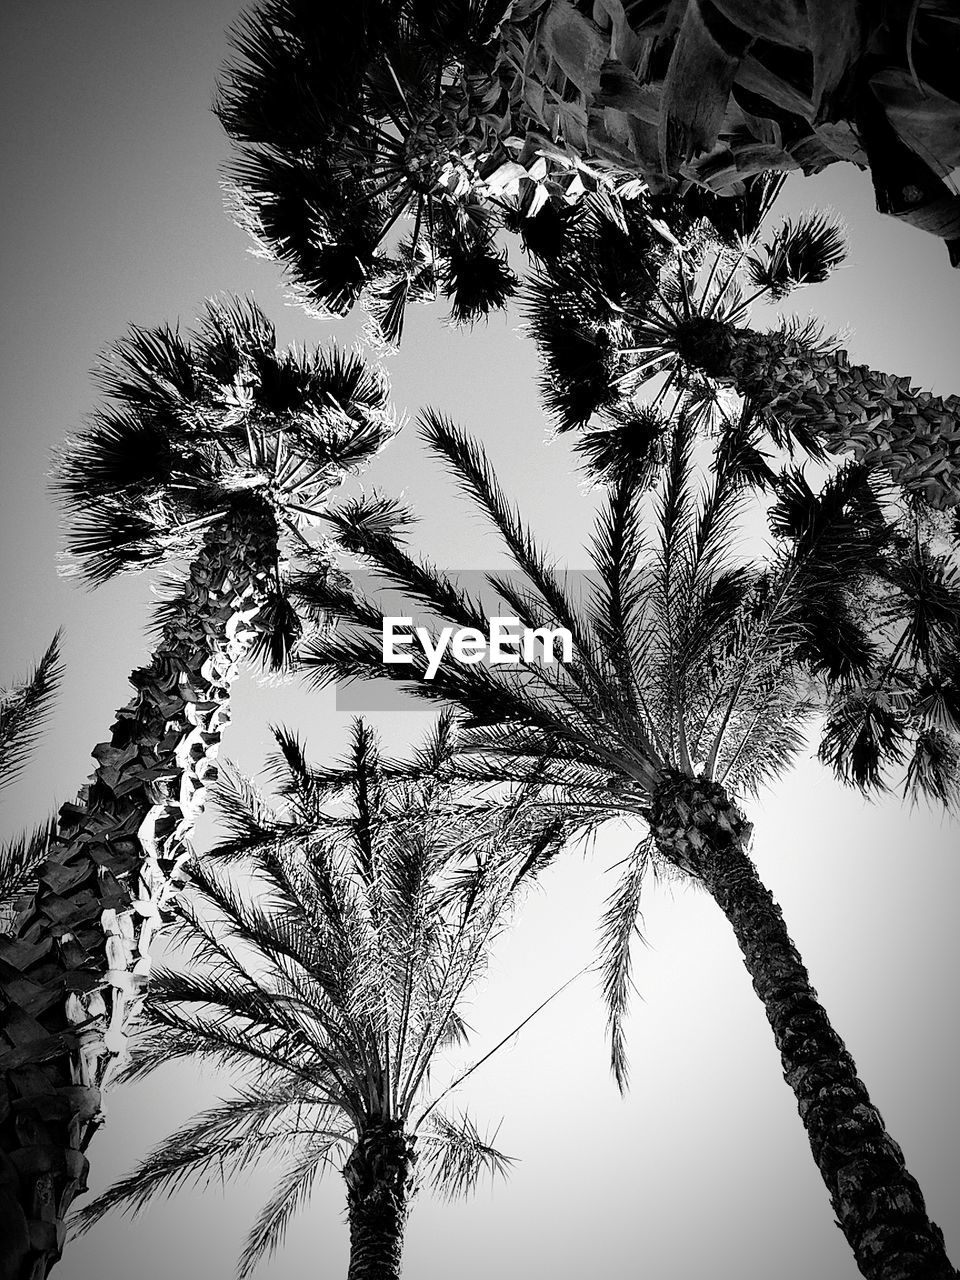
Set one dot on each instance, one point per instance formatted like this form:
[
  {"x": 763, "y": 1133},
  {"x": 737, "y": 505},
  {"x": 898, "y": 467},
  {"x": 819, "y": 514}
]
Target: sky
[{"x": 112, "y": 213}]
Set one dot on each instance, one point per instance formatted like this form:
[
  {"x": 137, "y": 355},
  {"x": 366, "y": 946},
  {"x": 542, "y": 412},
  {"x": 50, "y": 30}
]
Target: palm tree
[
  {"x": 23, "y": 709},
  {"x": 692, "y": 681},
  {"x": 328, "y": 975},
  {"x": 392, "y": 120},
  {"x": 347, "y": 118},
  {"x": 214, "y": 448},
  {"x": 344, "y": 117},
  {"x": 607, "y": 319}
]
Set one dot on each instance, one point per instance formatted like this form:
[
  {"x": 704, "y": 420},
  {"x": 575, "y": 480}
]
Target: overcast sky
[{"x": 111, "y": 213}]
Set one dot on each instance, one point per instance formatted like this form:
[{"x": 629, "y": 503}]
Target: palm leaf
[
  {"x": 21, "y": 858},
  {"x": 619, "y": 925},
  {"x": 455, "y": 1156},
  {"x": 804, "y": 252},
  {"x": 23, "y": 710},
  {"x": 290, "y": 1194}
]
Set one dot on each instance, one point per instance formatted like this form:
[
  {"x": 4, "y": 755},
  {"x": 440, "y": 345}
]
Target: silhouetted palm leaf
[{"x": 23, "y": 709}]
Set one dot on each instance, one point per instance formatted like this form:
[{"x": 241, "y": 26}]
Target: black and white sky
[{"x": 111, "y": 213}]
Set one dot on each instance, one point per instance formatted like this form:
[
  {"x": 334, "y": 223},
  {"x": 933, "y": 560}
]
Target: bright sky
[{"x": 112, "y": 213}]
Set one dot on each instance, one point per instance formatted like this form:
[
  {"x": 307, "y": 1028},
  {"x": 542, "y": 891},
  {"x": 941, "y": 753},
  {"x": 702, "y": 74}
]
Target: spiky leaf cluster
[
  {"x": 580, "y": 304},
  {"x": 200, "y": 425},
  {"x": 332, "y": 938},
  {"x": 686, "y": 656},
  {"x": 347, "y": 120},
  {"x": 902, "y": 710},
  {"x": 643, "y": 286}
]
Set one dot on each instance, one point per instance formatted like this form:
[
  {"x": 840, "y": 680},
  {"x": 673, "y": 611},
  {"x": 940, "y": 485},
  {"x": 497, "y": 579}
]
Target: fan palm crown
[
  {"x": 331, "y": 947},
  {"x": 684, "y": 317},
  {"x": 204, "y": 425},
  {"x": 346, "y": 120}
]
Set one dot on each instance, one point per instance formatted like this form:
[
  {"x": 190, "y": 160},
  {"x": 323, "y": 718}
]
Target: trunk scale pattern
[
  {"x": 881, "y": 419},
  {"x": 878, "y": 1204},
  {"x": 380, "y": 1184},
  {"x": 73, "y": 969}
]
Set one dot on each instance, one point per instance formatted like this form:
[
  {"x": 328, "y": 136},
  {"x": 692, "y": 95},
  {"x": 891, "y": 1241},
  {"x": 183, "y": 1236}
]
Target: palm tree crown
[
  {"x": 327, "y": 969},
  {"x": 209, "y": 423},
  {"x": 348, "y": 118},
  {"x": 693, "y": 678},
  {"x": 608, "y": 318}
]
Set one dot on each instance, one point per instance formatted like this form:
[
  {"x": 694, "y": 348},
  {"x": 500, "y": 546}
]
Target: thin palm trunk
[
  {"x": 878, "y": 1204},
  {"x": 379, "y": 1177},
  {"x": 74, "y": 971},
  {"x": 877, "y": 417}
]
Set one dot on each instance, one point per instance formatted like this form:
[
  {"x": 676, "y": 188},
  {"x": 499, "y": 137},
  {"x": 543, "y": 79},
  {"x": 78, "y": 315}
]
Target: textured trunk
[
  {"x": 878, "y": 1204},
  {"x": 879, "y": 418},
  {"x": 379, "y": 1177},
  {"x": 73, "y": 971}
]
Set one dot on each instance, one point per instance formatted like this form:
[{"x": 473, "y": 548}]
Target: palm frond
[
  {"x": 279, "y": 630},
  {"x": 933, "y": 771},
  {"x": 290, "y": 1194},
  {"x": 151, "y": 370},
  {"x": 925, "y": 601},
  {"x": 123, "y": 451},
  {"x": 630, "y": 446},
  {"x": 619, "y": 925},
  {"x": 107, "y": 540},
  {"x": 21, "y": 858},
  {"x": 476, "y": 279},
  {"x": 243, "y": 810},
  {"x": 24, "y": 707},
  {"x": 375, "y": 515},
  {"x": 289, "y": 768},
  {"x": 475, "y": 476},
  {"x": 455, "y": 1156},
  {"x": 862, "y": 735},
  {"x": 799, "y": 253},
  {"x": 224, "y": 1140}
]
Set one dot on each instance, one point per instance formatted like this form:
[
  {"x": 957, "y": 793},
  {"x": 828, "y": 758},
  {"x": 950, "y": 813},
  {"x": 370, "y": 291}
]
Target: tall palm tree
[
  {"x": 607, "y": 319},
  {"x": 692, "y": 681},
  {"x": 23, "y": 709},
  {"x": 327, "y": 974},
  {"x": 214, "y": 448}
]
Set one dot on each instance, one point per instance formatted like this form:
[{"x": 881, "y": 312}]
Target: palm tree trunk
[
  {"x": 878, "y": 1204},
  {"x": 73, "y": 972},
  {"x": 379, "y": 1177},
  {"x": 879, "y": 418}
]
